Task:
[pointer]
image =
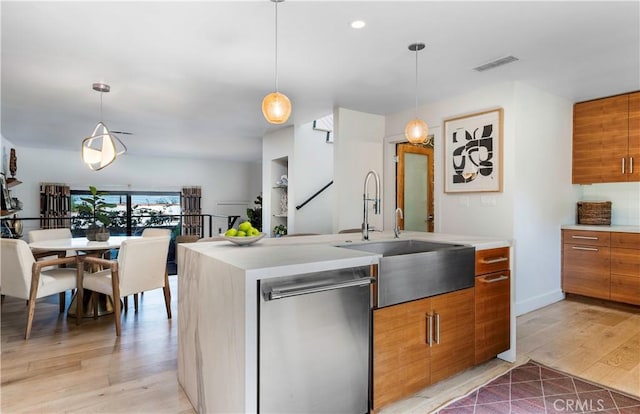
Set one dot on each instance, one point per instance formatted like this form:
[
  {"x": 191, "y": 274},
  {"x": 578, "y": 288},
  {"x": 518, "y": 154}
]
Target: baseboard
[{"x": 538, "y": 302}]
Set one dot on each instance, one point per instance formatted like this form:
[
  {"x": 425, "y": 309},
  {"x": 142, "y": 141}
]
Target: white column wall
[
  {"x": 544, "y": 198},
  {"x": 220, "y": 180},
  {"x": 313, "y": 170},
  {"x": 277, "y": 144},
  {"x": 358, "y": 147}
]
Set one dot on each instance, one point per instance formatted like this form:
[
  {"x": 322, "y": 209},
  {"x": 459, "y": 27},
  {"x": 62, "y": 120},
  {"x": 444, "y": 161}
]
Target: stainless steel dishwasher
[{"x": 314, "y": 342}]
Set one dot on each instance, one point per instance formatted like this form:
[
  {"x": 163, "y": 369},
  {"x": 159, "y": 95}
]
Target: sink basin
[{"x": 415, "y": 269}]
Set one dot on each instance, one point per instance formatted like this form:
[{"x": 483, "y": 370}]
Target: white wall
[
  {"x": 275, "y": 145},
  {"x": 221, "y": 181},
  {"x": 358, "y": 148},
  {"x": 624, "y": 197},
  {"x": 468, "y": 213},
  {"x": 544, "y": 197},
  {"x": 313, "y": 169},
  {"x": 537, "y": 196}
]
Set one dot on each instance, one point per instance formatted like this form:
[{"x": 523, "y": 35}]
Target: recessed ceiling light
[{"x": 358, "y": 24}]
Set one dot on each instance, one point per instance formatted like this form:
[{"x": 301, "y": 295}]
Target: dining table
[{"x": 82, "y": 245}]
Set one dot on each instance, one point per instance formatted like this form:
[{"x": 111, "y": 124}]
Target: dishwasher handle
[{"x": 281, "y": 293}]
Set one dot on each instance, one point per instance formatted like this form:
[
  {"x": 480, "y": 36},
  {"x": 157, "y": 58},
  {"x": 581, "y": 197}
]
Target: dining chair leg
[
  {"x": 94, "y": 301},
  {"x": 126, "y": 303},
  {"x": 135, "y": 302},
  {"x": 62, "y": 300},
  {"x": 167, "y": 295},
  {"x": 33, "y": 294},
  {"x": 115, "y": 286},
  {"x": 79, "y": 290}
]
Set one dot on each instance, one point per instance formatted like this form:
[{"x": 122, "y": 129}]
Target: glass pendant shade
[
  {"x": 416, "y": 131},
  {"x": 101, "y": 148},
  {"x": 276, "y": 108}
]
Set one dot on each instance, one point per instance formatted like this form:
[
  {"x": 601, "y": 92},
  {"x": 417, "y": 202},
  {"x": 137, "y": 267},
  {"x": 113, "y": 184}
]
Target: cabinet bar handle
[
  {"x": 622, "y": 165},
  {"x": 494, "y": 260},
  {"x": 630, "y": 165},
  {"x": 584, "y": 237},
  {"x": 437, "y": 328},
  {"x": 494, "y": 280},
  {"x": 590, "y": 249},
  {"x": 429, "y": 329}
]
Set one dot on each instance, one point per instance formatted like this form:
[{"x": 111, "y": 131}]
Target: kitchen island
[{"x": 218, "y": 311}]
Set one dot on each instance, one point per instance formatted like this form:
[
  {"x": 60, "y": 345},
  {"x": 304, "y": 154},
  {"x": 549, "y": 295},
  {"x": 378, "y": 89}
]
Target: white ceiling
[{"x": 188, "y": 78}]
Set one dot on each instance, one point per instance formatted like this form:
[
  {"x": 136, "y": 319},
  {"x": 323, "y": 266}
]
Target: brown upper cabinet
[{"x": 606, "y": 140}]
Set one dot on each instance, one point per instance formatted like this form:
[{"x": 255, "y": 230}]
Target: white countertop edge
[
  {"x": 614, "y": 228},
  {"x": 310, "y": 267}
]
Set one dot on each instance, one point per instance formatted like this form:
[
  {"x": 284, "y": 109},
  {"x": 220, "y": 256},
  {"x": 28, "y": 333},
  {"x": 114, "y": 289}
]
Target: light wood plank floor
[{"x": 66, "y": 368}]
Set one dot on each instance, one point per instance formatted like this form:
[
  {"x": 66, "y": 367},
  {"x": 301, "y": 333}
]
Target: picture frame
[
  {"x": 473, "y": 152},
  {"x": 6, "y": 197}
]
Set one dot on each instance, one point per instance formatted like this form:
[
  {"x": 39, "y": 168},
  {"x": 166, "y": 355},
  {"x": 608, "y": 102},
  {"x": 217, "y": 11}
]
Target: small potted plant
[
  {"x": 280, "y": 230},
  {"x": 96, "y": 207}
]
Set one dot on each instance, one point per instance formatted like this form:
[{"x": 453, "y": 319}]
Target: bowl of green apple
[{"x": 244, "y": 235}]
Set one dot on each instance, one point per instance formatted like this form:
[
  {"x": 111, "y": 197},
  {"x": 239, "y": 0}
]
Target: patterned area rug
[{"x": 533, "y": 388}]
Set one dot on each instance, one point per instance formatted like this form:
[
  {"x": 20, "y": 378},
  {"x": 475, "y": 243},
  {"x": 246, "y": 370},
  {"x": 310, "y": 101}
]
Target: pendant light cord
[
  {"x": 276, "y": 37},
  {"x": 416, "y": 111},
  {"x": 100, "y": 106}
]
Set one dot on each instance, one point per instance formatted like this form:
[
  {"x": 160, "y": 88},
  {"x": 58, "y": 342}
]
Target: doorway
[{"x": 414, "y": 191}]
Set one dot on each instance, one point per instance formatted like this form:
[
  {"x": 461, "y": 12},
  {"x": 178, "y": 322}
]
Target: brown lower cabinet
[
  {"x": 625, "y": 267},
  {"x": 421, "y": 342},
  {"x": 601, "y": 264}
]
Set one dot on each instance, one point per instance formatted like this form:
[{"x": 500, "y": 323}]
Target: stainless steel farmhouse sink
[{"x": 416, "y": 269}]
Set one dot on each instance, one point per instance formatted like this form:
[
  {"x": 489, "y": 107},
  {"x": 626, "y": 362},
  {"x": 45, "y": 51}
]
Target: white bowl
[{"x": 244, "y": 241}]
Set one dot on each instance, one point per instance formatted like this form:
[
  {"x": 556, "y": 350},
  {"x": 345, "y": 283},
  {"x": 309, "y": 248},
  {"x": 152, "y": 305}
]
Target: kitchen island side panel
[{"x": 211, "y": 332}]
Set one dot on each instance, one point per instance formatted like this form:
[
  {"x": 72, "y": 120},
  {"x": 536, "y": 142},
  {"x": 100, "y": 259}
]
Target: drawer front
[
  {"x": 586, "y": 270},
  {"x": 492, "y": 260},
  {"x": 626, "y": 240},
  {"x": 587, "y": 238},
  {"x": 492, "y": 306},
  {"x": 625, "y": 289}
]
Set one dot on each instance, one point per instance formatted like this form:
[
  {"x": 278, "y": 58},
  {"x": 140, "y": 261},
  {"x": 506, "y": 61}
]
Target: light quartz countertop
[
  {"x": 285, "y": 256},
  {"x": 586, "y": 227}
]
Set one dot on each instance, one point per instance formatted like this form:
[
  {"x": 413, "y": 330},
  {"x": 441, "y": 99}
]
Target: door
[{"x": 414, "y": 192}]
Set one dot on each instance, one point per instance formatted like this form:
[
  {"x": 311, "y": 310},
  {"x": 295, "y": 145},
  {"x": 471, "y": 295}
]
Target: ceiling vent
[{"x": 495, "y": 63}]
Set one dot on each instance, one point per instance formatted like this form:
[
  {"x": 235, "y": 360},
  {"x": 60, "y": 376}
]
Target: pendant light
[
  {"x": 417, "y": 130},
  {"x": 102, "y": 147},
  {"x": 276, "y": 107}
]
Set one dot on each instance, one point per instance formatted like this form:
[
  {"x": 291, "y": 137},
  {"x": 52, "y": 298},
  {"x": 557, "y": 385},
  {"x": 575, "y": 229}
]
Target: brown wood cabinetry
[
  {"x": 602, "y": 264},
  {"x": 625, "y": 267},
  {"x": 586, "y": 263},
  {"x": 421, "y": 342},
  {"x": 492, "y": 303},
  {"x": 606, "y": 140}
]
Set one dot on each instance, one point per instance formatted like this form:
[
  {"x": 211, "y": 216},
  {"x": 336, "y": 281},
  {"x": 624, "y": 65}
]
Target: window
[{"x": 133, "y": 212}]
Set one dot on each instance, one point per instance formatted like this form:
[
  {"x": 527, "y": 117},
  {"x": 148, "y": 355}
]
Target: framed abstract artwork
[{"x": 473, "y": 152}]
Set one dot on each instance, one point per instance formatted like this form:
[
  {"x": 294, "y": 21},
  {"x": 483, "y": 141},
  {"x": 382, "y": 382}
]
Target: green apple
[
  {"x": 241, "y": 233},
  {"x": 231, "y": 232},
  {"x": 244, "y": 226},
  {"x": 254, "y": 232}
]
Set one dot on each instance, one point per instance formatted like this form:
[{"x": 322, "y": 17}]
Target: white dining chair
[
  {"x": 141, "y": 266},
  {"x": 25, "y": 278},
  {"x": 154, "y": 232},
  {"x": 49, "y": 234},
  {"x": 148, "y": 232}
]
